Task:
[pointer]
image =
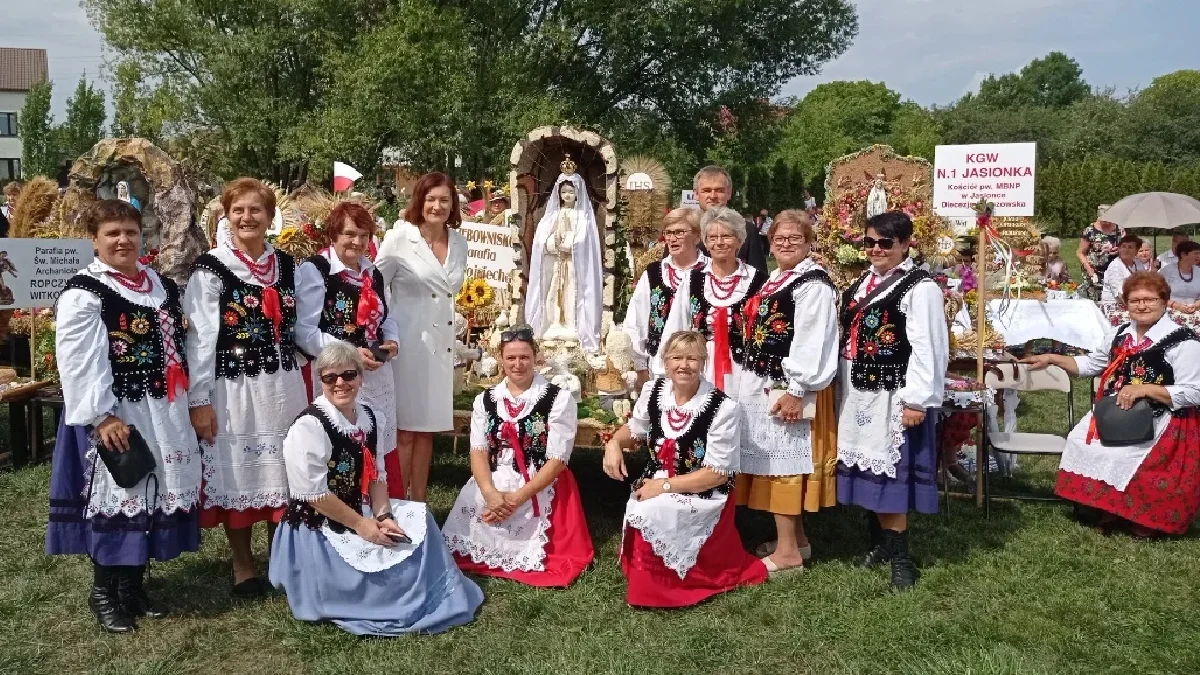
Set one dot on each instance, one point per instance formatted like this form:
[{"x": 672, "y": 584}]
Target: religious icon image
[
  {"x": 877, "y": 200},
  {"x": 6, "y": 265}
]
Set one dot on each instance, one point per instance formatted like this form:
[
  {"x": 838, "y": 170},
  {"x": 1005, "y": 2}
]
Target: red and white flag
[{"x": 344, "y": 176}]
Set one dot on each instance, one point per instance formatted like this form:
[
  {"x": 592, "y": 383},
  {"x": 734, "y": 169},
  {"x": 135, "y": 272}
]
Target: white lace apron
[
  {"x": 364, "y": 556},
  {"x": 1112, "y": 465}
]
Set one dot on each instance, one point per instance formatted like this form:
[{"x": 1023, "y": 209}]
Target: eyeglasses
[
  {"x": 522, "y": 333},
  {"x": 794, "y": 240},
  {"x": 884, "y": 243},
  {"x": 346, "y": 376},
  {"x": 1143, "y": 302},
  {"x": 724, "y": 238},
  {"x": 675, "y": 234}
]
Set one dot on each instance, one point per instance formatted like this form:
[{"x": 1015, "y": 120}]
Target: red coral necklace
[
  {"x": 722, "y": 289},
  {"x": 678, "y": 419},
  {"x": 263, "y": 273},
  {"x": 513, "y": 408},
  {"x": 140, "y": 283}
]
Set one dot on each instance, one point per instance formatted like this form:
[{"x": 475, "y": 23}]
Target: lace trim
[
  {"x": 479, "y": 448},
  {"x": 196, "y": 400},
  {"x": 367, "y": 557},
  {"x": 774, "y": 449},
  {"x": 130, "y": 503},
  {"x": 866, "y": 459},
  {"x": 312, "y": 496},
  {"x": 680, "y": 563},
  {"x": 529, "y": 561},
  {"x": 261, "y": 500}
]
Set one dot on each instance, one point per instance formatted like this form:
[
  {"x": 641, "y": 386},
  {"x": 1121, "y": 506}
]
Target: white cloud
[{"x": 60, "y": 27}]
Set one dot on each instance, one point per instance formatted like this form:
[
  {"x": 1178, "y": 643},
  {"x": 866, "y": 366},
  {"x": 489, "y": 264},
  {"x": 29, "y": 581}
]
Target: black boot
[
  {"x": 904, "y": 570},
  {"x": 878, "y": 552},
  {"x": 105, "y": 603},
  {"x": 132, "y": 591}
]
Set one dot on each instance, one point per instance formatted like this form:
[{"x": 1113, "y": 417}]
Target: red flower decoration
[
  {"x": 870, "y": 348},
  {"x": 778, "y": 326},
  {"x": 231, "y": 318}
]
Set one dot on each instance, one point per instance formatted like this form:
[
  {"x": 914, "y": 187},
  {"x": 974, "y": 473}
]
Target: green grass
[{"x": 1027, "y": 591}]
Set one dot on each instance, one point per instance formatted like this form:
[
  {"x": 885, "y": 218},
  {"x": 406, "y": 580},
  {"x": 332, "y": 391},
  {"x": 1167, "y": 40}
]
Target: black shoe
[
  {"x": 134, "y": 599},
  {"x": 251, "y": 589},
  {"x": 105, "y": 603},
  {"x": 904, "y": 570},
  {"x": 878, "y": 553}
]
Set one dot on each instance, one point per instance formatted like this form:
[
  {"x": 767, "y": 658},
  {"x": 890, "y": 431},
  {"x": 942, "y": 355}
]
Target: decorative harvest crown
[{"x": 568, "y": 166}]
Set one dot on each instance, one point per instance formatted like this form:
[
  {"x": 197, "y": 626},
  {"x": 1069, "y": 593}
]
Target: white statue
[
  {"x": 126, "y": 196},
  {"x": 557, "y": 370},
  {"x": 877, "y": 200},
  {"x": 566, "y": 271}
]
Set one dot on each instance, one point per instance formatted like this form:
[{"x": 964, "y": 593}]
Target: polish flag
[{"x": 344, "y": 176}]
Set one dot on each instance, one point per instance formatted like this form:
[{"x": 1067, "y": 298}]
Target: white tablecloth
[{"x": 1078, "y": 323}]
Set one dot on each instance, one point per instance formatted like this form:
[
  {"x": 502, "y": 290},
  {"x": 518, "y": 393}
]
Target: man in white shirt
[
  {"x": 1171, "y": 257},
  {"x": 810, "y": 202}
]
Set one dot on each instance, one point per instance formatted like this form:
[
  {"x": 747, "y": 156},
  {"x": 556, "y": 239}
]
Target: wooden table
[{"x": 22, "y": 423}]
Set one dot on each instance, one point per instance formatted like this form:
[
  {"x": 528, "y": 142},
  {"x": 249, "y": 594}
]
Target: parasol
[{"x": 1161, "y": 210}]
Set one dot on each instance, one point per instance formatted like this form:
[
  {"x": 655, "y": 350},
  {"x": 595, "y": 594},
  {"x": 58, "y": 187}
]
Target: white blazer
[{"x": 420, "y": 294}]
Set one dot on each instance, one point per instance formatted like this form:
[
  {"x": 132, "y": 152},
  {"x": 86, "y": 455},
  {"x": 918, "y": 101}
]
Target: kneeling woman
[
  {"x": 519, "y": 516},
  {"x": 372, "y": 569},
  {"x": 1152, "y": 488},
  {"x": 680, "y": 544}
]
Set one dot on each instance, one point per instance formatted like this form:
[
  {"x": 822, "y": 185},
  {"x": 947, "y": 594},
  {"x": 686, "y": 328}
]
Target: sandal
[
  {"x": 775, "y": 571},
  {"x": 768, "y": 547},
  {"x": 251, "y": 589}
]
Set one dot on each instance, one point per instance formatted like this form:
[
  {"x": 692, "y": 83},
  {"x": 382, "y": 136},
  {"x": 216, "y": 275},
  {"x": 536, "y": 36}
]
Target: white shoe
[{"x": 768, "y": 547}]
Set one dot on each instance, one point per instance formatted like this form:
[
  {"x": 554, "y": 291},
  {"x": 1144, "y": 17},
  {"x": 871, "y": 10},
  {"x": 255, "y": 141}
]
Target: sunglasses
[
  {"x": 884, "y": 243},
  {"x": 346, "y": 376},
  {"x": 522, "y": 333}
]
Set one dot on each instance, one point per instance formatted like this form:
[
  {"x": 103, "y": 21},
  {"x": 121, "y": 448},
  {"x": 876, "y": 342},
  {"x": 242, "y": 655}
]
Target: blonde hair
[
  {"x": 685, "y": 215},
  {"x": 686, "y": 341},
  {"x": 338, "y": 354},
  {"x": 797, "y": 217}
]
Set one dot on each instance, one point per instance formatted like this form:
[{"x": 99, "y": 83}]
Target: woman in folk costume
[
  {"x": 895, "y": 351},
  {"x": 120, "y": 340},
  {"x": 520, "y": 517},
  {"x": 373, "y": 566},
  {"x": 423, "y": 262},
  {"x": 565, "y": 292},
  {"x": 1151, "y": 488},
  {"x": 341, "y": 297},
  {"x": 680, "y": 545},
  {"x": 246, "y": 384},
  {"x": 712, "y": 299},
  {"x": 654, "y": 293},
  {"x": 789, "y": 462}
]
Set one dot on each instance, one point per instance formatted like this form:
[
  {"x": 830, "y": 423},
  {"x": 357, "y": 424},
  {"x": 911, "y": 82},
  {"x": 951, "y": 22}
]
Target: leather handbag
[
  {"x": 130, "y": 467},
  {"x": 1121, "y": 428}
]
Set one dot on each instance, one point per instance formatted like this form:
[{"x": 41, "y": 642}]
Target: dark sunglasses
[
  {"x": 346, "y": 376},
  {"x": 884, "y": 243},
  {"x": 522, "y": 333}
]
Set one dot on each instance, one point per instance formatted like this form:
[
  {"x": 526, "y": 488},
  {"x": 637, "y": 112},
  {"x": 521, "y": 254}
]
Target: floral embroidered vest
[
  {"x": 699, "y": 308},
  {"x": 532, "y": 429},
  {"x": 345, "y": 473},
  {"x": 769, "y": 340},
  {"x": 661, "y": 297},
  {"x": 339, "y": 315},
  {"x": 690, "y": 446},
  {"x": 1148, "y": 366},
  {"x": 879, "y": 334},
  {"x": 136, "y": 352},
  {"x": 246, "y": 339}
]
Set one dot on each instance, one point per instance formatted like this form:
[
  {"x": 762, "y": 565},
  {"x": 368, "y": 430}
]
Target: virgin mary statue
[{"x": 566, "y": 272}]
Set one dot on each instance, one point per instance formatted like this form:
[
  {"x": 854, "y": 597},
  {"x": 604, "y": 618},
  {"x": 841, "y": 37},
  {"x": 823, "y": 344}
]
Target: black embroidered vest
[
  {"x": 699, "y": 308},
  {"x": 345, "y": 473},
  {"x": 246, "y": 339},
  {"x": 661, "y": 297},
  {"x": 339, "y": 314},
  {"x": 881, "y": 350},
  {"x": 532, "y": 429},
  {"x": 1149, "y": 366},
  {"x": 689, "y": 447},
  {"x": 769, "y": 340},
  {"x": 136, "y": 353}
]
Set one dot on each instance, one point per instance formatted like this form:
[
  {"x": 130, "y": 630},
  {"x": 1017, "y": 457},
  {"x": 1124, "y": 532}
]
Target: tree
[
  {"x": 758, "y": 190},
  {"x": 1163, "y": 119},
  {"x": 36, "y": 129},
  {"x": 83, "y": 127},
  {"x": 914, "y": 131},
  {"x": 782, "y": 195},
  {"x": 836, "y": 118},
  {"x": 1054, "y": 81}
]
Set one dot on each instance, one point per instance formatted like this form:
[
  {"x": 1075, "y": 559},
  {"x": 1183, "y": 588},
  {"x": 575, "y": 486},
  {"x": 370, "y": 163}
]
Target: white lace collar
[
  {"x": 666, "y": 397},
  {"x": 904, "y": 267},
  {"x": 529, "y": 397},
  {"x": 339, "y": 421}
]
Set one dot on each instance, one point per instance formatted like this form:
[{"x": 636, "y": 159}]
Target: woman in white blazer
[{"x": 423, "y": 261}]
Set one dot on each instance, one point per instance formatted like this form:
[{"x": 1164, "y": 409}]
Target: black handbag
[
  {"x": 129, "y": 467},
  {"x": 1120, "y": 428}
]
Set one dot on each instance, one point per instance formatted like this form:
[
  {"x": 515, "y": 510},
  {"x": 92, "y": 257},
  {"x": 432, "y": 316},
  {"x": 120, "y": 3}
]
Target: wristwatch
[
  {"x": 666, "y": 486},
  {"x": 385, "y": 516}
]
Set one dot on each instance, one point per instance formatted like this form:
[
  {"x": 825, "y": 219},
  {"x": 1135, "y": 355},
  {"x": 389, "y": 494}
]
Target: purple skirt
[
  {"x": 107, "y": 540},
  {"x": 913, "y": 489}
]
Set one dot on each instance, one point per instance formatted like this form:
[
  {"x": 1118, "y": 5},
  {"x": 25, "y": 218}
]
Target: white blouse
[
  {"x": 722, "y": 445},
  {"x": 310, "y": 301},
  {"x": 562, "y": 421},
  {"x": 812, "y": 361},
  {"x": 637, "y": 316},
  {"x": 1115, "y": 276},
  {"x": 680, "y": 316},
  {"x": 307, "y": 449},
  {"x": 1182, "y": 289},
  {"x": 1184, "y": 359}
]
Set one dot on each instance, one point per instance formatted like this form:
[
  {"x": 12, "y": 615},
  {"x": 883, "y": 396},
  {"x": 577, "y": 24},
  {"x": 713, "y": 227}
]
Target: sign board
[
  {"x": 1002, "y": 173},
  {"x": 687, "y": 199},
  {"x": 490, "y": 253},
  {"x": 639, "y": 181},
  {"x": 34, "y": 271}
]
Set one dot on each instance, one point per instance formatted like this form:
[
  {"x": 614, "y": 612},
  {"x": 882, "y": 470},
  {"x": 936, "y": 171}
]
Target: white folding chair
[{"x": 1020, "y": 377}]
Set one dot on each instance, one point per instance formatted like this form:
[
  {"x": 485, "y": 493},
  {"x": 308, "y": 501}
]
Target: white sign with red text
[{"x": 1001, "y": 173}]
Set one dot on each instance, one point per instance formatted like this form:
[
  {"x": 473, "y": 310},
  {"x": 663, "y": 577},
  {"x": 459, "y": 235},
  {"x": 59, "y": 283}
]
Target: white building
[{"x": 20, "y": 69}]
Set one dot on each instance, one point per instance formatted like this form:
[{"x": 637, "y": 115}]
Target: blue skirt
[
  {"x": 107, "y": 540},
  {"x": 913, "y": 489},
  {"x": 426, "y": 593}
]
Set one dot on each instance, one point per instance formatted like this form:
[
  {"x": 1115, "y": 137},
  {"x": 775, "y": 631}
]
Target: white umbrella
[{"x": 1162, "y": 210}]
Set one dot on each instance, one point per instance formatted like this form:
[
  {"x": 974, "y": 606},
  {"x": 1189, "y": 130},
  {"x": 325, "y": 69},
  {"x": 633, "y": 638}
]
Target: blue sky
[{"x": 931, "y": 51}]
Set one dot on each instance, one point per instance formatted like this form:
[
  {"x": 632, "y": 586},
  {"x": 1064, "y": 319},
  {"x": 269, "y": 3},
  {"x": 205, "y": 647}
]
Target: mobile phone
[
  {"x": 400, "y": 538},
  {"x": 379, "y": 353}
]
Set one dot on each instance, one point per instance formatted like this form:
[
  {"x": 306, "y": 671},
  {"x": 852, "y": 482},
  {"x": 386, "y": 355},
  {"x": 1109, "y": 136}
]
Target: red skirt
[
  {"x": 569, "y": 551},
  {"x": 1164, "y": 494},
  {"x": 722, "y": 565},
  {"x": 395, "y": 479},
  {"x": 215, "y": 516}
]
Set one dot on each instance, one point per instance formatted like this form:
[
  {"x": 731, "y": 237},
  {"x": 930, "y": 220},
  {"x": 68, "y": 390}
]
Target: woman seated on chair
[
  {"x": 519, "y": 517},
  {"x": 1152, "y": 488},
  {"x": 377, "y": 568},
  {"x": 680, "y": 544}
]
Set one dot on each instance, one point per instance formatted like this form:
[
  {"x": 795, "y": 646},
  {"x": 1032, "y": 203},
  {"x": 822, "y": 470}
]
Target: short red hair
[
  {"x": 240, "y": 187},
  {"x": 414, "y": 212},
  {"x": 1146, "y": 281},
  {"x": 353, "y": 212}
]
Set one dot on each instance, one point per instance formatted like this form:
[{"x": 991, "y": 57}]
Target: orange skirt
[{"x": 793, "y": 495}]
